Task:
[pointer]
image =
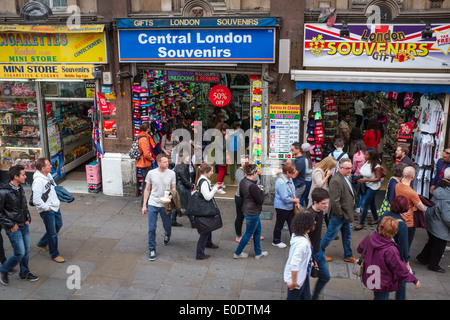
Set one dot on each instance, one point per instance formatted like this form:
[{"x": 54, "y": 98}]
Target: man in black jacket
[{"x": 15, "y": 219}]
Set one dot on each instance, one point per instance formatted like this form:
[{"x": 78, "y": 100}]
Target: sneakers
[
  {"x": 4, "y": 278},
  {"x": 243, "y": 255},
  {"x": 279, "y": 245},
  {"x": 59, "y": 259},
  {"x": 30, "y": 277},
  {"x": 221, "y": 191},
  {"x": 262, "y": 255},
  {"x": 152, "y": 255},
  {"x": 166, "y": 240},
  {"x": 358, "y": 210},
  {"x": 352, "y": 260}
]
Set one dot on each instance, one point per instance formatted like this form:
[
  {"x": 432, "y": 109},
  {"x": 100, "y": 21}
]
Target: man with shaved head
[
  {"x": 403, "y": 188},
  {"x": 442, "y": 164}
]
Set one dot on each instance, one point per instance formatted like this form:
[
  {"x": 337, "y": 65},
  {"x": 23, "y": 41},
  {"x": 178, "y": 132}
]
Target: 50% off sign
[{"x": 220, "y": 95}]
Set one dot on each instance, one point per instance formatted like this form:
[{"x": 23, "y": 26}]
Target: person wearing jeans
[
  {"x": 15, "y": 219},
  {"x": 47, "y": 204},
  {"x": 157, "y": 182},
  {"x": 320, "y": 202},
  {"x": 371, "y": 176},
  {"x": 342, "y": 202},
  {"x": 253, "y": 199},
  {"x": 53, "y": 223}
]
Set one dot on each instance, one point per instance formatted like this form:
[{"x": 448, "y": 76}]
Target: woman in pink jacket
[{"x": 384, "y": 271}]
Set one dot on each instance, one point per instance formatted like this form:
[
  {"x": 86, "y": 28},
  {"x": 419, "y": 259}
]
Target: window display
[
  {"x": 68, "y": 126},
  {"x": 20, "y": 128},
  {"x": 413, "y": 120}
]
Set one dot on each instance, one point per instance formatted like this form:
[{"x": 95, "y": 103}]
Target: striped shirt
[{"x": 402, "y": 189}]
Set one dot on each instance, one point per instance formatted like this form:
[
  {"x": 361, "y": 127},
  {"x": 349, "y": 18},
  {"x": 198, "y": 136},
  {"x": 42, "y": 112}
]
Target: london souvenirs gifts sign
[{"x": 206, "y": 45}]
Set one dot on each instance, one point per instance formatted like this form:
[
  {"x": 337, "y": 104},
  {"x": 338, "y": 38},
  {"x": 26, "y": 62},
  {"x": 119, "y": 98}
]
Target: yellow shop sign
[
  {"x": 46, "y": 71},
  {"x": 31, "y": 47}
]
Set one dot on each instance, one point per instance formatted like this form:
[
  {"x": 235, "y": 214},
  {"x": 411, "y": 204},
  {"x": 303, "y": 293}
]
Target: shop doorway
[
  {"x": 69, "y": 131},
  {"x": 170, "y": 99},
  {"x": 411, "y": 119}
]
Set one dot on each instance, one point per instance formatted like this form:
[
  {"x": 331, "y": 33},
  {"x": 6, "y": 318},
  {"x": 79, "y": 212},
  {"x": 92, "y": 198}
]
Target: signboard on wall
[
  {"x": 46, "y": 71},
  {"x": 284, "y": 129},
  {"x": 377, "y": 46},
  {"x": 30, "y": 47},
  {"x": 197, "y": 45}
]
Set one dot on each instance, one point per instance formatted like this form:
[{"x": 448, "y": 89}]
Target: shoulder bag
[
  {"x": 296, "y": 209},
  {"x": 198, "y": 206},
  {"x": 358, "y": 266}
]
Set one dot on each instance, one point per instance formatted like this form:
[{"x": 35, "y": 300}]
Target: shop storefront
[
  {"x": 181, "y": 63},
  {"x": 46, "y": 92},
  {"x": 410, "y": 106}
]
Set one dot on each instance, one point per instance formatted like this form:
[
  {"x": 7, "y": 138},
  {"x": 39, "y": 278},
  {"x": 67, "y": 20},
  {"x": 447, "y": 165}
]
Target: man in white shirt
[
  {"x": 359, "y": 107},
  {"x": 47, "y": 204},
  {"x": 157, "y": 182}
]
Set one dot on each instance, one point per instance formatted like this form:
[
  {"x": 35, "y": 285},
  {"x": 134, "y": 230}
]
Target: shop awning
[{"x": 372, "y": 81}]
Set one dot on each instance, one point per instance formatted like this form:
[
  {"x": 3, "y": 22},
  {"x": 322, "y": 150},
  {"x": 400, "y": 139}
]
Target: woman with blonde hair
[{"x": 321, "y": 174}]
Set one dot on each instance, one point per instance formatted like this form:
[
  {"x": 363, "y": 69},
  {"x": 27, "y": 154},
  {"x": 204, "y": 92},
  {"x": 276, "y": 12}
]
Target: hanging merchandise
[
  {"x": 96, "y": 132},
  {"x": 256, "y": 100}
]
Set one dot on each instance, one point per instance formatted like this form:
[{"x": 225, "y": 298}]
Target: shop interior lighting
[
  {"x": 15, "y": 79},
  {"x": 428, "y": 32},
  {"x": 201, "y": 65},
  {"x": 345, "y": 32},
  {"x": 61, "y": 80}
]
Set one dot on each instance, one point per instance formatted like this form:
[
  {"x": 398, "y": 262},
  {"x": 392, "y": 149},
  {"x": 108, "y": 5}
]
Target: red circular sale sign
[{"x": 220, "y": 95}]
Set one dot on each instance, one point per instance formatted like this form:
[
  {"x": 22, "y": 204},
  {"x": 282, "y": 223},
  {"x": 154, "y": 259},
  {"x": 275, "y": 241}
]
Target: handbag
[
  {"x": 358, "y": 266},
  {"x": 206, "y": 224},
  {"x": 419, "y": 216},
  {"x": 296, "y": 209},
  {"x": 314, "y": 270},
  {"x": 198, "y": 206}
]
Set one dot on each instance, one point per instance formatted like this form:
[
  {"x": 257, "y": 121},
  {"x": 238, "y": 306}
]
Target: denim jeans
[
  {"x": 53, "y": 223},
  {"x": 324, "y": 274},
  {"x": 334, "y": 226},
  {"x": 253, "y": 228},
  {"x": 152, "y": 213},
  {"x": 20, "y": 242},
  {"x": 304, "y": 293},
  {"x": 380, "y": 295},
  {"x": 368, "y": 201},
  {"x": 304, "y": 198}
]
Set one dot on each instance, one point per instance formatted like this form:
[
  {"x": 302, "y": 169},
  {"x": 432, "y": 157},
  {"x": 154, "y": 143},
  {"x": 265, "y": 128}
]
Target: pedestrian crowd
[{"x": 333, "y": 191}]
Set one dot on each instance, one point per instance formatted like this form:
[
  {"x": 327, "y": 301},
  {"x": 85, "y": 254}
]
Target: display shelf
[{"x": 79, "y": 161}]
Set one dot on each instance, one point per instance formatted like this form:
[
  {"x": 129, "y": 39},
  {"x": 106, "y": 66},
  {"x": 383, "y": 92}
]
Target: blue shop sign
[
  {"x": 198, "y": 45},
  {"x": 225, "y": 22}
]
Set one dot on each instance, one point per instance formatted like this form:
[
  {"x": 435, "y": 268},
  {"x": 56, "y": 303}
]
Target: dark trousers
[
  {"x": 282, "y": 216},
  {"x": 411, "y": 233},
  {"x": 2, "y": 249},
  {"x": 359, "y": 120},
  {"x": 144, "y": 172},
  {"x": 203, "y": 241},
  {"x": 432, "y": 251},
  {"x": 239, "y": 215}
]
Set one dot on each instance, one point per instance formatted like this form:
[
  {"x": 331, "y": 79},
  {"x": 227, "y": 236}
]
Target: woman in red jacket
[{"x": 372, "y": 136}]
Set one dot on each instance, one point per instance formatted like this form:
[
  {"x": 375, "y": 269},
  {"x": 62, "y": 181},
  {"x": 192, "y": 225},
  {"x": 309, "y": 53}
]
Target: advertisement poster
[
  {"x": 110, "y": 129},
  {"x": 284, "y": 129},
  {"x": 377, "y": 46}
]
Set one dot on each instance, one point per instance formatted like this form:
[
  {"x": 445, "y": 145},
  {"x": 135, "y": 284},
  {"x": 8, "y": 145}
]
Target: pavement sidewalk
[{"x": 104, "y": 240}]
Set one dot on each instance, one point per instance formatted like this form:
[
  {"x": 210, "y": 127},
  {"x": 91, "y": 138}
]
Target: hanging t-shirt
[{"x": 431, "y": 112}]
